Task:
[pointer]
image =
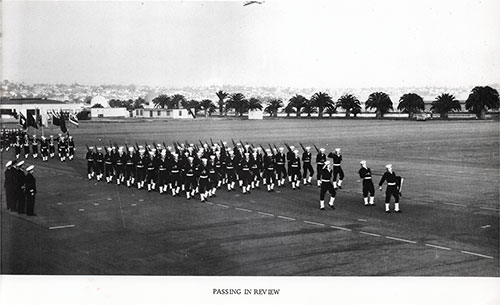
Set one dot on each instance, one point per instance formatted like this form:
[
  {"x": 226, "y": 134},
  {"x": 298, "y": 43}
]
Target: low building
[
  {"x": 255, "y": 114},
  {"x": 36, "y": 106},
  {"x": 161, "y": 113},
  {"x": 109, "y": 112}
]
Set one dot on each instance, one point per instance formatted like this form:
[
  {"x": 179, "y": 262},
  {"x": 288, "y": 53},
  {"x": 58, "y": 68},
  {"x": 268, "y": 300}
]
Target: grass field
[{"x": 449, "y": 225}]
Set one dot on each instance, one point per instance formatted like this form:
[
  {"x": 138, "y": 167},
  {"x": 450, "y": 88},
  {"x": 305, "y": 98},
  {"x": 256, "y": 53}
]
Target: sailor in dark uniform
[
  {"x": 365, "y": 174},
  {"x": 10, "y": 186},
  {"x": 203, "y": 173},
  {"x": 34, "y": 147},
  {"x": 90, "y": 156},
  {"x": 279, "y": 160},
  {"x": 20, "y": 196},
  {"x": 99, "y": 164},
  {"x": 326, "y": 185},
  {"x": 26, "y": 145},
  {"x": 212, "y": 176},
  {"x": 230, "y": 164},
  {"x": 175, "y": 174},
  {"x": 337, "y": 168},
  {"x": 71, "y": 148},
  {"x": 245, "y": 175},
  {"x": 190, "y": 178},
  {"x": 306, "y": 166},
  {"x": 30, "y": 191},
  {"x": 269, "y": 173},
  {"x": 17, "y": 147},
  {"x": 320, "y": 161},
  {"x": 163, "y": 172},
  {"x": 392, "y": 188},
  {"x": 108, "y": 165},
  {"x": 52, "y": 146},
  {"x": 295, "y": 175},
  {"x": 44, "y": 149}
]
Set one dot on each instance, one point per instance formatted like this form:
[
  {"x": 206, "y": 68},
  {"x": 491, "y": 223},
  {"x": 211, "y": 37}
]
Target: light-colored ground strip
[
  {"x": 455, "y": 204},
  {"x": 265, "y": 214},
  {"x": 61, "y": 227},
  {"x": 222, "y": 205},
  {"x": 244, "y": 210},
  {"x": 284, "y": 217},
  {"x": 363, "y": 220},
  {"x": 314, "y": 223},
  {"x": 491, "y": 209},
  {"x": 368, "y": 233},
  {"x": 400, "y": 239},
  {"x": 476, "y": 254},
  {"x": 438, "y": 247},
  {"x": 341, "y": 228}
]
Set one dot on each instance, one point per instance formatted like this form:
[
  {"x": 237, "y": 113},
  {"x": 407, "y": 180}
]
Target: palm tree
[
  {"x": 238, "y": 102},
  {"x": 411, "y": 103},
  {"x": 331, "y": 109},
  {"x": 350, "y": 103},
  {"x": 480, "y": 99},
  {"x": 254, "y": 104},
  {"x": 309, "y": 108},
  {"x": 273, "y": 105},
  {"x": 289, "y": 109},
  {"x": 206, "y": 105},
  {"x": 297, "y": 101},
  {"x": 445, "y": 103},
  {"x": 381, "y": 102},
  {"x": 321, "y": 100},
  {"x": 222, "y": 104},
  {"x": 191, "y": 104},
  {"x": 161, "y": 101},
  {"x": 177, "y": 100}
]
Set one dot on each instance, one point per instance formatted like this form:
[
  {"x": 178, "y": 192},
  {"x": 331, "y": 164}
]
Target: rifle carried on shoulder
[{"x": 317, "y": 150}]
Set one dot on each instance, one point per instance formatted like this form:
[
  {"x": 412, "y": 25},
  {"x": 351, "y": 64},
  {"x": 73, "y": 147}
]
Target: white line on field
[
  {"x": 491, "y": 209},
  {"x": 340, "y": 228},
  {"x": 284, "y": 217},
  {"x": 244, "y": 210},
  {"x": 265, "y": 214},
  {"x": 359, "y": 219},
  {"x": 455, "y": 204},
  {"x": 61, "y": 227},
  {"x": 476, "y": 254},
  {"x": 314, "y": 223},
  {"x": 208, "y": 202},
  {"x": 400, "y": 239},
  {"x": 222, "y": 205},
  {"x": 439, "y": 247},
  {"x": 252, "y": 201},
  {"x": 368, "y": 233}
]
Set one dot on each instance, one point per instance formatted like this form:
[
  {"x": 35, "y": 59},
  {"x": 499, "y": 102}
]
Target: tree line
[{"x": 479, "y": 101}]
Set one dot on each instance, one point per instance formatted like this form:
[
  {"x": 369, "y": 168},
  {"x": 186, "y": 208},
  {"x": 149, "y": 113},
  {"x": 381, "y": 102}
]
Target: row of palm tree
[{"x": 479, "y": 100}]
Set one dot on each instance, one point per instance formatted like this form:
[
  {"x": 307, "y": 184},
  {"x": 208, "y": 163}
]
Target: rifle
[
  {"x": 317, "y": 150},
  {"x": 262, "y": 147},
  {"x": 116, "y": 145},
  {"x": 234, "y": 143},
  {"x": 270, "y": 147},
  {"x": 126, "y": 147},
  {"x": 136, "y": 146},
  {"x": 401, "y": 186},
  {"x": 87, "y": 147},
  {"x": 164, "y": 146},
  {"x": 289, "y": 149},
  {"x": 211, "y": 142},
  {"x": 275, "y": 146},
  {"x": 303, "y": 148},
  {"x": 201, "y": 143}
]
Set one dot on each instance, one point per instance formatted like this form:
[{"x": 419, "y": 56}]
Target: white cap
[
  {"x": 8, "y": 164},
  {"x": 212, "y": 156},
  {"x": 322, "y": 149},
  {"x": 30, "y": 168},
  {"x": 363, "y": 162},
  {"x": 130, "y": 149},
  {"x": 292, "y": 147},
  {"x": 337, "y": 149},
  {"x": 281, "y": 148},
  {"x": 308, "y": 147},
  {"x": 20, "y": 163},
  {"x": 204, "y": 159},
  {"x": 190, "y": 158},
  {"x": 388, "y": 166},
  {"x": 296, "y": 151}
]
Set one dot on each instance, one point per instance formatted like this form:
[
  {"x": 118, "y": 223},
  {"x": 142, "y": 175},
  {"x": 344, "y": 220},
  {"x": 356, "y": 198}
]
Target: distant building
[
  {"x": 99, "y": 100},
  {"x": 160, "y": 113},
  {"x": 36, "y": 106},
  {"x": 255, "y": 114},
  {"x": 109, "y": 112}
]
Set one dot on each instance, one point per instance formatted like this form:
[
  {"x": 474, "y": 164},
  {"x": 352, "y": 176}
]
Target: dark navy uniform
[
  {"x": 30, "y": 191},
  {"x": 365, "y": 174},
  {"x": 326, "y": 186},
  {"x": 320, "y": 161},
  {"x": 392, "y": 189},
  {"x": 307, "y": 167}
]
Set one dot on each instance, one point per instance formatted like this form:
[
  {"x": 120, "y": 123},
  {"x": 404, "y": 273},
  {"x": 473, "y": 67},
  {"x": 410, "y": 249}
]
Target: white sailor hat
[
  {"x": 247, "y": 145},
  {"x": 322, "y": 149},
  {"x": 308, "y": 147},
  {"x": 20, "y": 163},
  {"x": 268, "y": 150},
  {"x": 8, "y": 164},
  {"x": 212, "y": 156},
  {"x": 190, "y": 158},
  {"x": 292, "y": 147},
  {"x": 224, "y": 143},
  {"x": 30, "y": 168},
  {"x": 204, "y": 159},
  {"x": 131, "y": 149},
  {"x": 362, "y": 162},
  {"x": 281, "y": 148},
  {"x": 327, "y": 162},
  {"x": 259, "y": 148},
  {"x": 158, "y": 145},
  {"x": 238, "y": 144},
  {"x": 175, "y": 155},
  {"x": 110, "y": 149},
  {"x": 388, "y": 166},
  {"x": 337, "y": 149},
  {"x": 296, "y": 151},
  {"x": 91, "y": 147},
  {"x": 247, "y": 154}
]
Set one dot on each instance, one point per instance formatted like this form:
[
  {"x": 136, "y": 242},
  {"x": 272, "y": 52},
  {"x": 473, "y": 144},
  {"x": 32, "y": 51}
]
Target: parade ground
[{"x": 449, "y": 225}]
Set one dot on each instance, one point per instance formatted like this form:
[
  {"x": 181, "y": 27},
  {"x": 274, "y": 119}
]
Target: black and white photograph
[{"x": 269, "y": 152}]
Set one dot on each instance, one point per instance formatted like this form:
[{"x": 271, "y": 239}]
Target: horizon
[{"x": 293, "y": 44}]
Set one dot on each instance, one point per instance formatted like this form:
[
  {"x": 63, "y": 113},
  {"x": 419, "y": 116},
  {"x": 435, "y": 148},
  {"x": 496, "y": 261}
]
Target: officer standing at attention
[
  {"x": 365, "y": 174},
  {"x": 30, "y": 191},
  {"x": 392, "y": 188},
  {"x": 20, "y": 198},
  {"x": 326, "y": 185},
  {"x": 306, "y": 165},
  {"x": 10, "y": 183}
]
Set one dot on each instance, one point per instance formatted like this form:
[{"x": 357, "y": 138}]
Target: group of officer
[
  {"x": 23, "y": 143},
  {"x": 20, "y": 188},
  {"x": 191, "y": 169}
]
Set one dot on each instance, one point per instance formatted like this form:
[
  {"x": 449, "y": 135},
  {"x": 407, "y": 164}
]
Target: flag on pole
[
  {"x": 43, "y": 119},
  {"x": 63, "y": 122},
  {"x": 22, "y": 120},
  {"x": 56, "y": 120},
  {"x": 31, "y": 120},
  {"x": 73, "y": 120}
]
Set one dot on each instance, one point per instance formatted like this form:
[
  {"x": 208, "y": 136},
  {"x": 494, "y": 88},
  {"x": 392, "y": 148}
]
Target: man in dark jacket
[
  {"x": 19, "y": 187},
  {"x": 10, "y": 183},
  {"x": 30, "y": 191}
]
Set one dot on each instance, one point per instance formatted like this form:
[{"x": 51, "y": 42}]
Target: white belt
[
  {"x": 367, "y": 177},
  {"x": 336, "y": 164},
  {"x": 392, "y": 183},
  {"x": 325, "y": 180}
]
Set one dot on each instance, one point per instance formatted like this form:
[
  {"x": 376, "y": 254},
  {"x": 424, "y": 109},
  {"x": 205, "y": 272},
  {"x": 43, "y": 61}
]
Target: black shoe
[
  {"x": 398, "y": 211},
  {"x": 339, "y": 187},
  {"x": 333, "y": 207},
  {"x": 388, "y": 212},
  {"x": 322, "y": 209}
]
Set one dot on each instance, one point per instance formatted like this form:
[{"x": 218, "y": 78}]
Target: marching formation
[
  {"x": 188, "y": 169},
  {"x": 24, "y": 144}
]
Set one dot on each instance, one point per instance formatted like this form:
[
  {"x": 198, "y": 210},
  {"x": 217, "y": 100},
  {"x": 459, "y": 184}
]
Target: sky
[{"x": 335, "y": 44}]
